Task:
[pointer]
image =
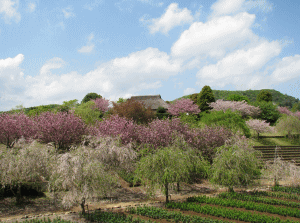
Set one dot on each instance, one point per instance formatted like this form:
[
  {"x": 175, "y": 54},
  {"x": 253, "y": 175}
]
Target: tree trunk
[
  {"x": 82, "y": 205},
  {"x": 167, "y": 192},
  {"x": 230, "y": 189},
  {"x": 258, "y": 135},
  {"x": 18, "y": 195},
  {"x": 178, "y": 189}
]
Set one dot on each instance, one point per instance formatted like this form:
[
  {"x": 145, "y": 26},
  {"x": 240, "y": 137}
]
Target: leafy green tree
[
  {"x": 228, "y": 119},
  {"x": 269, "y": 111},
  {"x": 87, "y": 113},
  {"x": 166, "y": 167},
  {"x": 237, "y": 164},
  {"x": 206, "y": 96},
  {"x": 161, "y": 113},
  {"x": 237, "y": 97},
  {"x": 288, "y": 124},
  {"x": 41, "y": 109},
  {"x": 90, "y": 96},
  {"x": 68, "y": 105},
  {"x": 121, "y": 100},
  {"x": 264, "y": 95}
]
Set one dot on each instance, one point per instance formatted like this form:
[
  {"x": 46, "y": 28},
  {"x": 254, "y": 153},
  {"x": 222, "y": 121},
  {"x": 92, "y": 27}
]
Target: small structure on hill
[{"x": 152, "y": 101}]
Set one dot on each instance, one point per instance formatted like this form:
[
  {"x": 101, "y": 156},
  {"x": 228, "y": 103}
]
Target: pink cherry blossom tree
[
  {"x": 284, "y": 110},
  {"x": 184, "y": 105},
  {"x": 101, "y": 104},
  {"x": 241, "y": 106},
  {"x": 259, "y": 126}
]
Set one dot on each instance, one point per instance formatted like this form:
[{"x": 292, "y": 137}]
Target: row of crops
[{"x": 281, "y": 205}]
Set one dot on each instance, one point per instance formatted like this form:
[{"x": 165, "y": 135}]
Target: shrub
[
  {"x": 194, "y": 97},
  {"x": 135, "y": 110},
  {"x": 161, "y": 113},
  {"x": 101, "y": 104},
  {"x": 205, "y": 97},
  {"x": 88, "y": 113},
  {"x": 235, "y": 164},
  {"x": 264, "y": 95},
  {"x": 227, "y": 119},
  {"x": 241, "y": 106},
  {"x": 67, "y": 106},
  {"x": 90, "y": 96}
]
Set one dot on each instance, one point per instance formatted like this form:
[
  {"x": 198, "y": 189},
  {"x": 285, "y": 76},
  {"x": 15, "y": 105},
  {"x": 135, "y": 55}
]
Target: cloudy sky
[{"x": 60, "y": 51}]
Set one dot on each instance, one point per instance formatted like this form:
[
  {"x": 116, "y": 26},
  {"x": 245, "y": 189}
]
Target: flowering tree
[
  {"x": 284, "y": 110},
  {"x": 183, "y": 105},
  {"x": 62, "y": 129},
  {"x": 101, "y": 104},
  {"x": 259, "y": 126},
  {"x": 87, "y": 172},
  {"x": 14, "y": 126},
  {"x": 28, "y": 164},
  {"x": 243, "y": 107}
]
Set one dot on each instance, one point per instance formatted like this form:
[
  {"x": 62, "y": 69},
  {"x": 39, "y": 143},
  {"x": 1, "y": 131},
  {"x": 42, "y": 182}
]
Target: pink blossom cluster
[
  {"x": 101, "y": 104},
  {"x": 184, "y": 105},
  {"x": 259, "y": 126},
  {"x": 241, "y": 106},
  {"x": 284, "y": 110}
]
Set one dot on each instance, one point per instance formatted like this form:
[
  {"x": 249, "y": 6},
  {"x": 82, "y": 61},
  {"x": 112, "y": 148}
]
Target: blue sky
[{"x": 55, "y": 51}]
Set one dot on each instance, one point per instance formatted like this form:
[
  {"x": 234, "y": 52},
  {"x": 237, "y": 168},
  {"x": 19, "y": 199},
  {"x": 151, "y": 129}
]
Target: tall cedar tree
[
  {"x": 90, "y": 96},
  {"x": 135, "y": 110},
  {"x": 206, "y": 96},
  {"x": 264, "y": 95}
]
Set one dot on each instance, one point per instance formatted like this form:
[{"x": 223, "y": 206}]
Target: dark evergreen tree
[
  {"x": 194, "y": 97},
  {"x": 90, "y": 96},
  {"x": 264, "y": 95},
  {"x": 206, "y": 96}
]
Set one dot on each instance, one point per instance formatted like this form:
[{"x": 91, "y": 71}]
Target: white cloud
[
  {"x": 189, "y": 91},
  {"x": 93, "y": 4},
  {"x": 171, "y": 18},
  {"x": 11, "y": 62},
  {"x": 89, "y": 47},
  {"x": 10, "y": 10},
  {"x": 228, "y": 7},
  {"x": 214, "y": 37},
  {"x": 287, "y": 69},
  {"x": 54, "y": 63},
  {"x": 239, "y": 67},
  {"x": 68, "y": 12},
  {"x": 86, "y": 49},
  {"x": 150, "y": 2},
  {"x": 31, "y": 7}
]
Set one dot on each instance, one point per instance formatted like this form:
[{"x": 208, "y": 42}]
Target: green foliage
[
  {"x": 90, "y": 96},
  {"x": 206, "y": 96},
  {"x": 264, "y": 95},
  {"x": 296, "y": 107},
  {"x": 194, "y": 98},
  {"x": 190, "y": 119},
  {"x": 288, "y": 124},
  {"x": 36, "y": 111},
  {"x": 86, "y": 112},
  {"x": 167, "y": 166},
  {"x": 269, "y": 111},
  {"x": 228, "y": 119},
  {"x": 161, "y": 113},
  {"x": 237, "y": 97},
  {"x": 67, "y": 106},
  {"x": 290, "y": 190},
  {"x": 232, "y": 162},
  {"x": 161, "y": 110},
  {"x": 121, "y": 100}
]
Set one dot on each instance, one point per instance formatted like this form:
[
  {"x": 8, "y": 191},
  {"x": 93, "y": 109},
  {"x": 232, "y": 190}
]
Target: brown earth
[{"x": 124, "y": 197}]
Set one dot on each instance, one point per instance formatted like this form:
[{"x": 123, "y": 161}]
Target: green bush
[
  {"x": 237, "y": 97},
  {"x": 90, "y": 96},
  {"x": 205, "y": 97},
  {"x": 87, "y": 113},
  {"x": 228, "y": 119},
  {"x": 264, "y": 95}
]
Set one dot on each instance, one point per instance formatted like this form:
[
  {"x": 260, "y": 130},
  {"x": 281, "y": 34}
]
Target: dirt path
[{"x": 124, "y": 197}]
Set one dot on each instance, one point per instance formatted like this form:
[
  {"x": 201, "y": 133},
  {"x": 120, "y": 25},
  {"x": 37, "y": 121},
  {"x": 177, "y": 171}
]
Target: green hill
[{"x": 280, "y": 99}]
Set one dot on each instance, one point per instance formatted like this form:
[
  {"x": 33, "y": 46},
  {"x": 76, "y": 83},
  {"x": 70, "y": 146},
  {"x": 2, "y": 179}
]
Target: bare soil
[{"x": 124, "y": 197}]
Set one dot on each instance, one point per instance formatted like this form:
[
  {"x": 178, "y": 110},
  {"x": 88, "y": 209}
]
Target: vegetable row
[
  {"x": 292, "y": 212},
  {"x": 227, "y": 213},
  {"x": 159, "y": 213},
  {"x": 246, "y": 197},
  {"x": 293, "y": 190},
  {"x": 277, "y": 194}
]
